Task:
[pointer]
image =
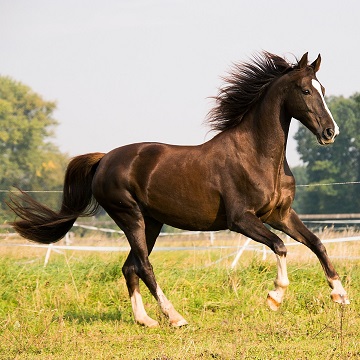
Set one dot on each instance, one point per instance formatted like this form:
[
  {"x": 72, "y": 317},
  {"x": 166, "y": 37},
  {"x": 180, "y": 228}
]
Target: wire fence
[
  {"x": 297, "y": 185},
  {"x": 246, "y": 246},
  {"x": 330, "y": 184}
]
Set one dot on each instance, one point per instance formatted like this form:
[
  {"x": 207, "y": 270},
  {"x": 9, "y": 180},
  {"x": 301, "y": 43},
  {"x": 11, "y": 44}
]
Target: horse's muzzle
[{"x": 327, "y": 136}]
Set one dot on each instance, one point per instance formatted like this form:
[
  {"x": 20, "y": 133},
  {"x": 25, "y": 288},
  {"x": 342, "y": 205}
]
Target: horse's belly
[{"x": 196, "y": 213}]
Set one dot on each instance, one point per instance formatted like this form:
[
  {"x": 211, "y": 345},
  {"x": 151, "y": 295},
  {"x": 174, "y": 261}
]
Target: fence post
[
  {"x": 241, "y": 250},
  {"x": 212, "y": 237},
  {"x": 47, "y": 256},
  {"x": 264, "y": 253}
]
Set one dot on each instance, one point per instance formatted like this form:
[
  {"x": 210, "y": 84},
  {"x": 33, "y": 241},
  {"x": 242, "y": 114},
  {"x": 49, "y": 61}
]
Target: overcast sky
[{"x": 140, "y": 70}]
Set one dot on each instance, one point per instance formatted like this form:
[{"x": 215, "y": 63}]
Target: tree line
[
  {"x": 31, "y": 161},
  {"x": 336, "y": 163}
]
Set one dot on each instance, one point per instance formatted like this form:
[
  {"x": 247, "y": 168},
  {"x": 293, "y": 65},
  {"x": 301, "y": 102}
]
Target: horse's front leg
[
  {"x": 251, "y": 226},
  {"x": 275, "y": 297},
  {"x": 294, "y": 227}
]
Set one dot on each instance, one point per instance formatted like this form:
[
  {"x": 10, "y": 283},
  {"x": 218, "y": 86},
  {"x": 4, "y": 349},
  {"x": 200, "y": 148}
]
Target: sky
[{"x": 124, "y": 71}]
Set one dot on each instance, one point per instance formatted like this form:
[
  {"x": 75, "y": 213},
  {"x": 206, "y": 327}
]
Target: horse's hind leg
[
  {"x": 132, "y": 283},
  {"x": 142, "y": 239}
]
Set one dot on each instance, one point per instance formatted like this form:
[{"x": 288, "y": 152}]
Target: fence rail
[
  {"x": 246, "y": 246},
  {"x": 329, "y": 216}
]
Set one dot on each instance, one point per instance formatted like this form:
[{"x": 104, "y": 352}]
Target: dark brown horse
[{"x": 238, "y": 180}]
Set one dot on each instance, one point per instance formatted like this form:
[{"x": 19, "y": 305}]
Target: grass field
[{"x": 77, "y": 307}]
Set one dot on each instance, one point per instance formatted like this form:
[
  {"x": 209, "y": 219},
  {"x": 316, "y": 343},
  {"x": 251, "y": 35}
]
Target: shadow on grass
[{"x": 83, "y": 317}]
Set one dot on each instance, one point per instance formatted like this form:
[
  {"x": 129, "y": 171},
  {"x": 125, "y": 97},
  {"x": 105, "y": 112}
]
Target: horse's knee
[
  {"x": 320, "y": 247},
  {"x": 280, "y": 248}
]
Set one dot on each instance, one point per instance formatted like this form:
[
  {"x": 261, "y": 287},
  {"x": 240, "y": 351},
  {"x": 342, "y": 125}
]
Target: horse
[{"x": 238, "y": 180}]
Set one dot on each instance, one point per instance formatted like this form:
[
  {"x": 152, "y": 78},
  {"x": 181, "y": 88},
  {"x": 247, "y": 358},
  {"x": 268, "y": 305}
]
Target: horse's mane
[{"x": 244, "y": 86}]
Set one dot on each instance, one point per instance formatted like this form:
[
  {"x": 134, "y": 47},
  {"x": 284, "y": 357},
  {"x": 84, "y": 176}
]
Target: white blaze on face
[{"x": 317, "y": 86}]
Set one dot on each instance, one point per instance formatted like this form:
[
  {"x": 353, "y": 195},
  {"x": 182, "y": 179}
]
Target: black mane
[{"x": 244, "y": 86}]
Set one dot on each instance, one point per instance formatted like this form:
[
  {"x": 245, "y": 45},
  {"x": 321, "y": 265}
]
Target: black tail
[{"x": 41, "y": 224}]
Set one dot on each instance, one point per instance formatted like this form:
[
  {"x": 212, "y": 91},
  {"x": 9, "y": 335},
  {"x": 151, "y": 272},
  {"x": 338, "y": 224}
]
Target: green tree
[
  {"x": 339, "y": 162},
  {"x": 300, "y": 175},
  {"x": 28, "y": 159}
]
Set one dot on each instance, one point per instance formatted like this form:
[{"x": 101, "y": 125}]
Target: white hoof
[
  {"x": 148, "y": 322},
  {"x": 273, "y": 300},
  {"x": 340, "y": 298},
  {"x": 179, "y": 323}
]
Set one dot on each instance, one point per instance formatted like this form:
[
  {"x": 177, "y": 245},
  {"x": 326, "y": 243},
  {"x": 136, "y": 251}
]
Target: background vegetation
[
  {"x": 339, "y": 162},
  {"x": 28, "y": 158}
]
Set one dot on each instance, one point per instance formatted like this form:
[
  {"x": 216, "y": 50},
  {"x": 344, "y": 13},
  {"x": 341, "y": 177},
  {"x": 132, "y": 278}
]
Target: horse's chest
[
  {"x": 280, "y": 199},
  {"x": 268, "y": 200}
]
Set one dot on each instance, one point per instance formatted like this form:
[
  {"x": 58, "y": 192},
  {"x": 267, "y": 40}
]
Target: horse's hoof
[
  {"x": 272, "y": 302},
  {"x": 179, "y": 323},
  {"x": 148, "y": 322},
  {"x": 152, "y": 324},
  {"x": 340, "y": 299}
]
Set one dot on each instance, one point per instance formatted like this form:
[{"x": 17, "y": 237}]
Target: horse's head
[{"x": 305, "y": 101}]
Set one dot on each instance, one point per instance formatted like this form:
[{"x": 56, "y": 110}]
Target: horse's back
[
  {"x": 125, "y": 166},
  {"x": 167, "y": 182}
]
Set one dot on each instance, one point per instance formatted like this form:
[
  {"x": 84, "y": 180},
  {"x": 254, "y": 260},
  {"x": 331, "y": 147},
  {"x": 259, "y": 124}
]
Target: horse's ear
[
  {"x": 303, "y": 61},
  {"x": 316, "y": 64}
]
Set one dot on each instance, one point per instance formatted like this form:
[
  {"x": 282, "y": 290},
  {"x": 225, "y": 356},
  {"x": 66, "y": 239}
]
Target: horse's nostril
[{"x": 329, "y": 133}]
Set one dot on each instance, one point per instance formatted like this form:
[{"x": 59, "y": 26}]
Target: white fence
[
  {"x": 336, "y": 219},
  {"x": 248, "y": 245}
]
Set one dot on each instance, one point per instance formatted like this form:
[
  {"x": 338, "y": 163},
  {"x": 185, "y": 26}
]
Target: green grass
[{"x": 78, "y": 308}]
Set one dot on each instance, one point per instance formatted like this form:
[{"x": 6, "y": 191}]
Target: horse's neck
[
  {"x": 270, "y": 126},
  {"x": 263, "y": 132}
]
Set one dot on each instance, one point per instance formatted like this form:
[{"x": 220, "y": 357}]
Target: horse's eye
[{"x": 306, "y": 92}]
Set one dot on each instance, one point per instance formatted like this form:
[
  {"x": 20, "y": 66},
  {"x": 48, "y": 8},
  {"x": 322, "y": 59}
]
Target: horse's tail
[{"x": 41, "y": 224}]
